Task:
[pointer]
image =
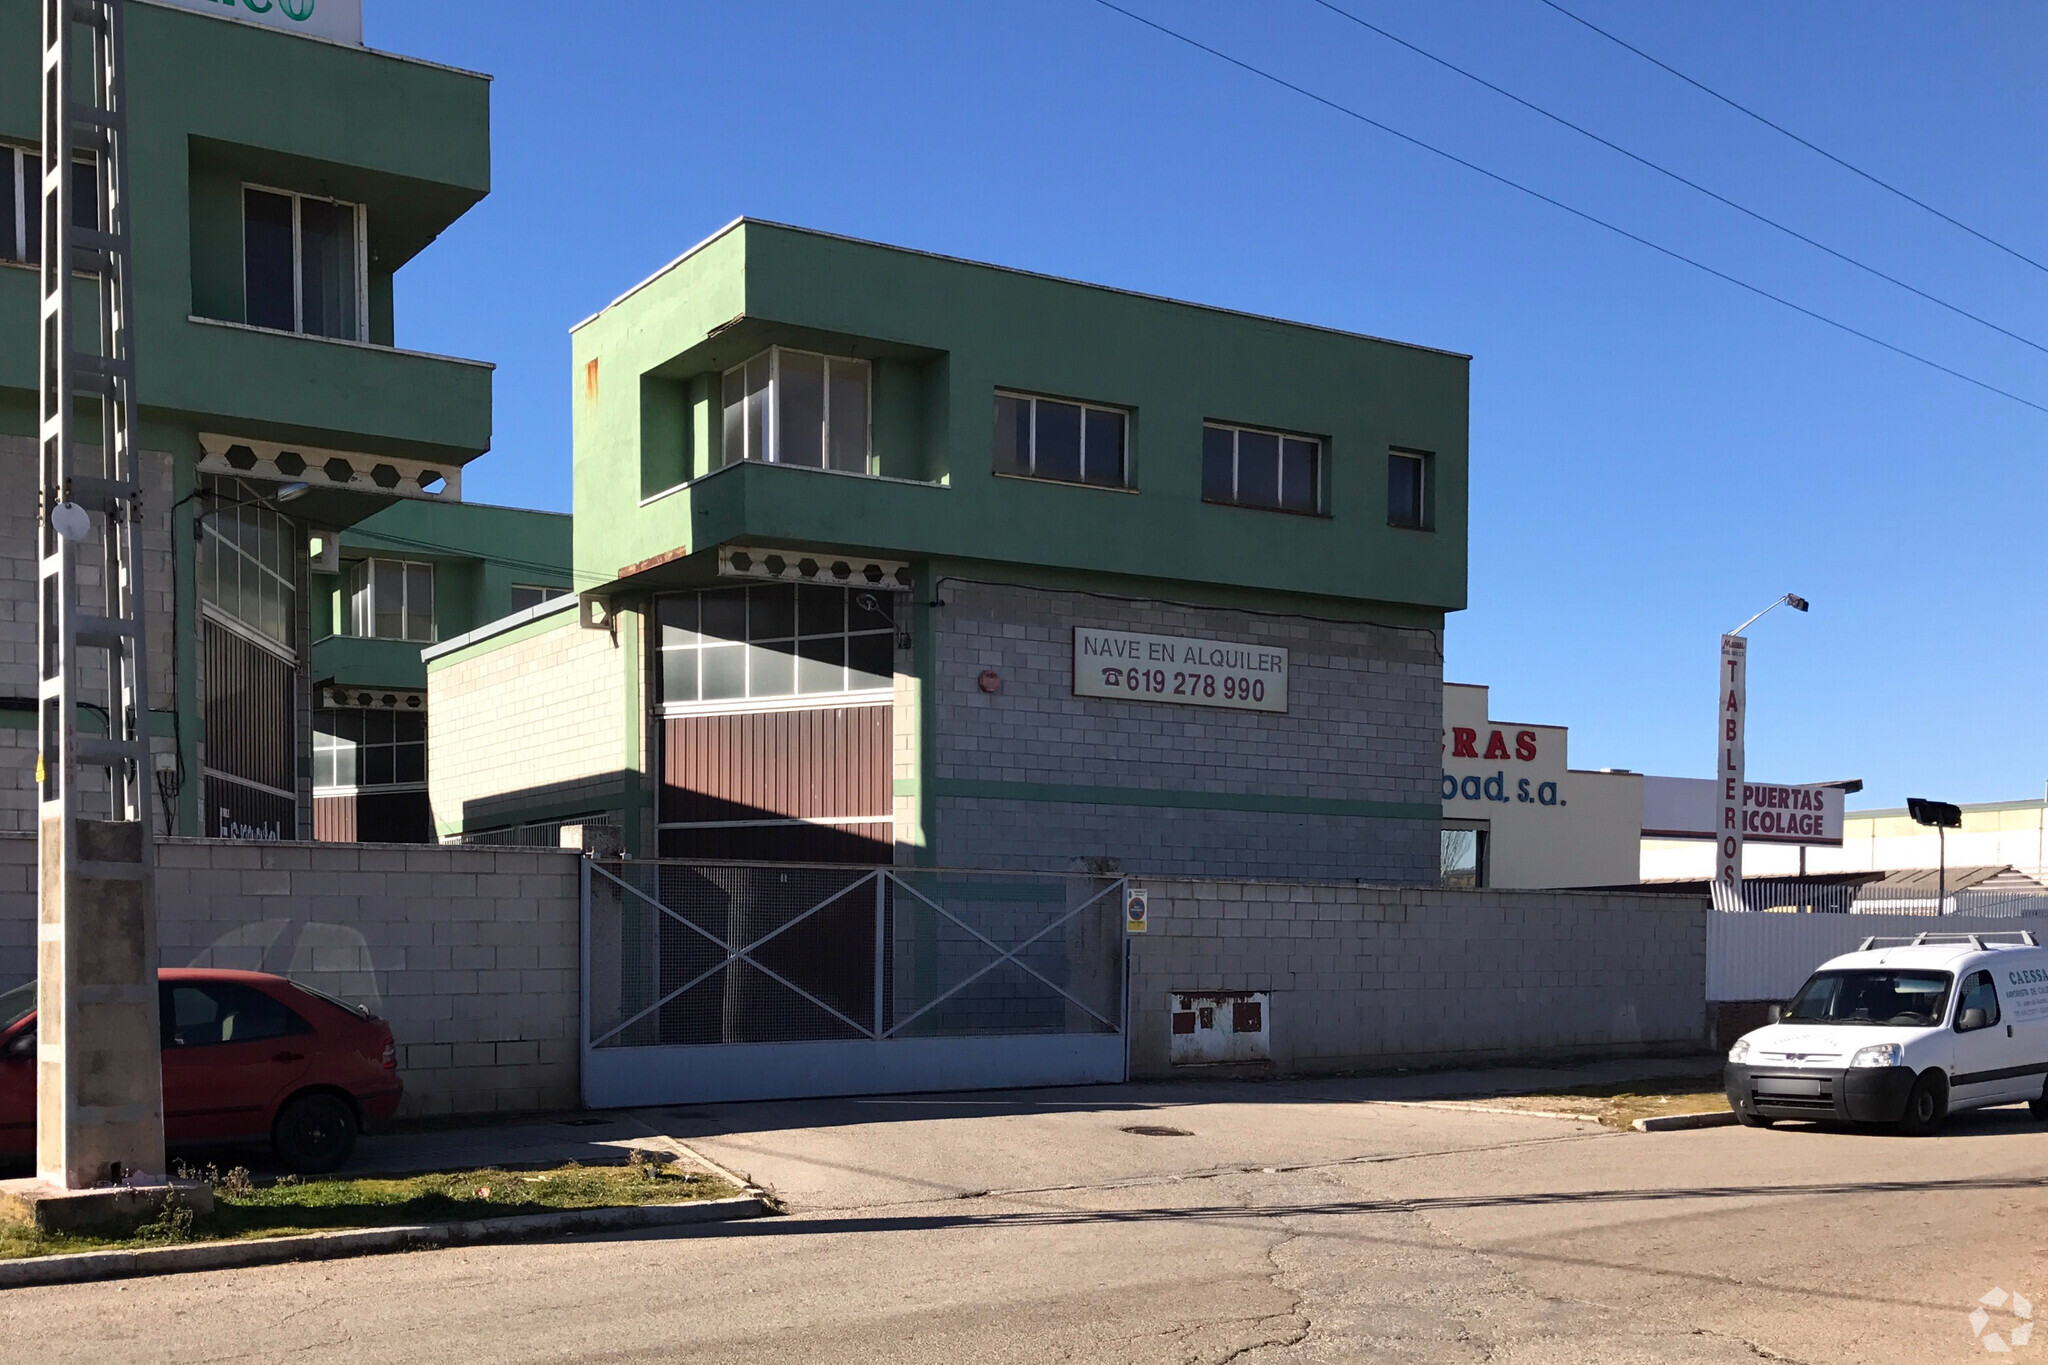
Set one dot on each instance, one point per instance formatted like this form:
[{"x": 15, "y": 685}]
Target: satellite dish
[{"x": 70, "y": 521}]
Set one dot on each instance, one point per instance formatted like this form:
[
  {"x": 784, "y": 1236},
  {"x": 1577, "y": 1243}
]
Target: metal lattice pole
[{"x": 99, "y": 1078}]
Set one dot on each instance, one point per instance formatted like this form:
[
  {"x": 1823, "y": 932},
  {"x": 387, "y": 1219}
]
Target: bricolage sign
[{"x": 1179, "y": 669}]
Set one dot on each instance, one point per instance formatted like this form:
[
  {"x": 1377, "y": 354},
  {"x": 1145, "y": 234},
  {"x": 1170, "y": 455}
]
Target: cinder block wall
[
  {"x": 530, "y": 726},
  {"x": 1364, "y": 724},
  {"x": 472, "y": 954},
  {"x": 1365, "y": 976}
]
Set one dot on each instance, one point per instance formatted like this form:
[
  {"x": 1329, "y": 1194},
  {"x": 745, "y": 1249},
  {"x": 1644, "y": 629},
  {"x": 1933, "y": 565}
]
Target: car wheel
[
  {"x": 314, "y": 1134},
  {"x": 1926, "y": 1107},
  {"x": 2038, "y": 1106},
  {"x": 1753, "y": 1120}
]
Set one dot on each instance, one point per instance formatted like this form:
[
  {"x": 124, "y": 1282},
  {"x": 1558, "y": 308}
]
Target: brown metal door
[{"x": 810, "y": 785}]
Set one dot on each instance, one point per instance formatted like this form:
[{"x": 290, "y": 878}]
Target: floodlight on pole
[
  {"x": 1731, "y": 700},
  {"x": 1943, "y": 816}
]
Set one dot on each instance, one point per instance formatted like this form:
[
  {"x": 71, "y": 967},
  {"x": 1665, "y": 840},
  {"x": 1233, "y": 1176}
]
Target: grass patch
[
  {"x": 244, "y": 1209},
  {"x": 1620, "y": 1103}
]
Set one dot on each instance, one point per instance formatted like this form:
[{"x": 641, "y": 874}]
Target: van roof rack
[{"x": 1977, "y": 940}]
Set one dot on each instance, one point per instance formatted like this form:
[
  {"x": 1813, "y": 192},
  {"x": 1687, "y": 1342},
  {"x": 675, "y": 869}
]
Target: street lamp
[
  {"x": 1944, "y": 817},
  {"x": 1730, "y": 722}
]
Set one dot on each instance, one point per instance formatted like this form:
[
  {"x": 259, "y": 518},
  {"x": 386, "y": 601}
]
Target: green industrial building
[
  {"x": 890, "y": 557},
  {"x": 279, "y": 181}
]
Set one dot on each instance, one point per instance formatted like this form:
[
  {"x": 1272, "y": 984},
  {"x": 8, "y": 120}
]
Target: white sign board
[
  {"x": 2024, "y": 993},
  {"x": 1179, "y": 669},
  {"x": 340, "y": 20},
  {"x": 1772, "y": 812},
  {"x": 1732, "y": 692}
]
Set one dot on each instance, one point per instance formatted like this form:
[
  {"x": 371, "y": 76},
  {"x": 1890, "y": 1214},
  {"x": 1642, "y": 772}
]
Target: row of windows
[
  {"x": 774, "y": 640},
  {"x": 247, "y": 556},
  {"x": 786, "y": 406}
]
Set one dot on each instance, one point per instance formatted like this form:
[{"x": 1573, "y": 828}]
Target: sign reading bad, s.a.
[
  {"x": 339, "y": 20},
  {"x": 1179, "y": 669}
]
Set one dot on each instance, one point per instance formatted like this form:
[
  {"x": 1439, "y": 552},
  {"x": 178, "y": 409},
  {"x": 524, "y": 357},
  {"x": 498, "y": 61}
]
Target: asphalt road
[{"x": 1294, "y": 1223}]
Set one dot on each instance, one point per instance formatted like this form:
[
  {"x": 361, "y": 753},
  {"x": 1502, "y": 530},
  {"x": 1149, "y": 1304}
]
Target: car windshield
[
  {"x": 1871, "y": 997},
  {"x": 17, "y": 1005}
]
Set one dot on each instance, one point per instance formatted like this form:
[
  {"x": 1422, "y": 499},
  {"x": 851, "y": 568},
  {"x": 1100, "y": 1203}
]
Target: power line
[
  {"x": 1666, "y": 171},
  {"x": 1536, "y": 194},
  {"x": 1853, "y": 169}
]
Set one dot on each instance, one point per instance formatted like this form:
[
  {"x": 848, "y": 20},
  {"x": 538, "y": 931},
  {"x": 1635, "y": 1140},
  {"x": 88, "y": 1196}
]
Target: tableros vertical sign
[
  {"x": 340, "y": 20},
  {"x": 1733, "y": 695}
]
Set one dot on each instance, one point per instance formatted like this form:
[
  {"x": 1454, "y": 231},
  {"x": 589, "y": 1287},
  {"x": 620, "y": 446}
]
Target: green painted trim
[
  {"x": 552, "y": 622},
  {"x": 89, "y": 722},
  {"x": 906, "y": 786},
  {"x": 1162, "y": 799}
]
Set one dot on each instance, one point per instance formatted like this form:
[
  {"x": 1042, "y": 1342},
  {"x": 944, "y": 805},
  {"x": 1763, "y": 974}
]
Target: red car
[{"x": 248, "y": 1057}]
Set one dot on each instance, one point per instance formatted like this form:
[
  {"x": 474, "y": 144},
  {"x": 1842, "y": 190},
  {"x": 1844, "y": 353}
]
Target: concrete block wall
[
  {"x": 1364, "y": 723},
  {"x": 18, "y": 473},
  {"x": 529, "y": 724},
  {"x": 1365, "y": 976},
  {"x": 472, "y": 954}
]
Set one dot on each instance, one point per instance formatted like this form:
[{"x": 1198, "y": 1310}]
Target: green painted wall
[
  {"x": 944, "y": 336},
  {"x": 216, "y": 104},
  {"x": 479, "y": 553}
]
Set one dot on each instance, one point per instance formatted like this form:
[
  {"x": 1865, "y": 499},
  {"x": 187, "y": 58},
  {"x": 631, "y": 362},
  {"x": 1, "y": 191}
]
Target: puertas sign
[
  {"x": 1179, "y": 669},
  {"x": 339, "y": 20},
  {"x": 1771, "y": 812}
]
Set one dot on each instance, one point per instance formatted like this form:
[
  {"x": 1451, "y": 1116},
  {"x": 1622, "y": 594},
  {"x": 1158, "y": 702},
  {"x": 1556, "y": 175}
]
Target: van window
[
  {"x": 1979, "y": 994},
  {"x": 1871, "y": 997}
]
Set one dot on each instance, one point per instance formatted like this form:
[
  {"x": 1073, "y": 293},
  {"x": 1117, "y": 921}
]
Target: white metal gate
[{"x": 739, "y": 981}]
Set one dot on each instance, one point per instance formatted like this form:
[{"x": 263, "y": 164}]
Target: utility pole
[{"x": 99, "y": 1073}]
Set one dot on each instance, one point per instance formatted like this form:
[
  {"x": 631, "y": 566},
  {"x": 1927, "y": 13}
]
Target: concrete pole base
[{"x": 108, "y": 1211}]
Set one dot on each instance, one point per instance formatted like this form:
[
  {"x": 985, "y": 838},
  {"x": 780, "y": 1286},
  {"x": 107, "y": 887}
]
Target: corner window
[
  {"x": 303, "y": 263},
  {"x": 21, "y": 221},
  {"x": 1044, "y": 438},
  {"x": 248, "y": 561},
  {"x": 1408, "y": 490},
  {"x": 775, "y": 640},
  {"x": 1246, "y": 467},
  {"x": 797, "y": 407},
  {"x": 525, "y": 595},
  {"x": 391, "y": 599},
  {"x": 361, "y": 747}
]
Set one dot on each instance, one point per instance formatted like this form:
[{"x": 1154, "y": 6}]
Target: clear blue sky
[{"x": 1655, "y": 454}]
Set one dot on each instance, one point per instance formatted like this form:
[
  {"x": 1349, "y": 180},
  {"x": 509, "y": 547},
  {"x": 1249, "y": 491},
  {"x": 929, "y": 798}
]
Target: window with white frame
[
  {"x": 21, "y": 222},
  {"x": 357, "y": 747},
  {"x": 775, "y": 640},
  {"x": 248, "y": 560},
  {"x": 1247, "y": 467},
  {"x": 800, "y": 408},
  {"x": 1408, "y": 490},
  {"x": 526, "y": 595},
  {"x": 1048, "y": 438},
  {"x": 391, "y": 599},
  {"x": 303, "y": 264}
]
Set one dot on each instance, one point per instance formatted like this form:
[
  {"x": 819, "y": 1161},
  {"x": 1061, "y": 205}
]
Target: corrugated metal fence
[{"x": 1768, "y": 957}]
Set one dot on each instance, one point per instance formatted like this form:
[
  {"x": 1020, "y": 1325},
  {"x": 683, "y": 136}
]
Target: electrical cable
[
  {"x": 1579, "y": 213},
  {"x": 1690, "y": 184},
  {"x": 1817, "y": 150}
]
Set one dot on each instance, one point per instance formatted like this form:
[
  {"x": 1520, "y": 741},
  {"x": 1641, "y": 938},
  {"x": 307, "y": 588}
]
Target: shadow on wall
[
  {"x": 332, "y": 957},
  {"x": 609, "y": 794}
]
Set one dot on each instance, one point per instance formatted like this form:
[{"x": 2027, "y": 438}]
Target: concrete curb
[
  {"x": 1667, "y": 1123},
  {"x": 327, "y": 1246}
]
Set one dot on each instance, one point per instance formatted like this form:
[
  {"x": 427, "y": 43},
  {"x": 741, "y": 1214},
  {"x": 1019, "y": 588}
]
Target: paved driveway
[{"x": 1295, "y": 1222}]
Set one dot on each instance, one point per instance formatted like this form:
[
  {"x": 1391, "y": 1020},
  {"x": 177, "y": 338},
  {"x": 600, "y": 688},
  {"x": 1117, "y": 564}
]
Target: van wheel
[
  {"x": 1926, "y": 1107},
  {"x": 314, "y": 1134},
  {"x": 1753, "y": 1120},
  {"x": 2038, "y": 1106}
]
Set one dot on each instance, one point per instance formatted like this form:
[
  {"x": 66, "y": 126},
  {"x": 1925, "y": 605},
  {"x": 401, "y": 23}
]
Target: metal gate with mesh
[{"x": 734, "y": 981}]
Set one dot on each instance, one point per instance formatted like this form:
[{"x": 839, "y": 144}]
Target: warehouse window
[
  {"x": 21, "y": 224},
  {"x": 775, "y": 640},
  {"x": 797, "y": 407},
  {"x": 1463, "y": 858},
  {"x": 1045, "y": 438},
  {"x": 303, "y": 264},
  {"x": 526, "y": 595},
  {"x": 391, "y": 599},
  {"x": 360, "y": 747},
  {"x": 248, "y": 559},
  {"x": 1246, "y": 467},
  {"x": 1408, "y": 490}
]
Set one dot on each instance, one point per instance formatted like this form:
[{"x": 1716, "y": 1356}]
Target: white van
[{"x": 1903, "y": 1031}]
